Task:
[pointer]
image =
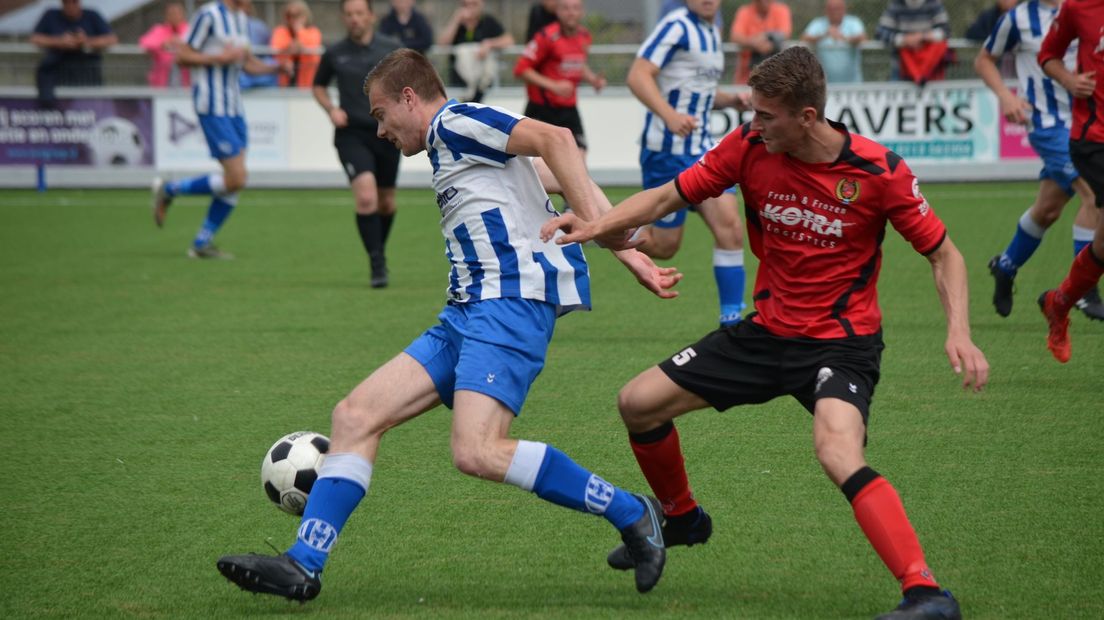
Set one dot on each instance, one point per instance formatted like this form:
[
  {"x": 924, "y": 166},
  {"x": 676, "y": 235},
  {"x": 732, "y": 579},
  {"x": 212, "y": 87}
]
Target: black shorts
[
  {"x": 745, "y": 364},
  {"x": 1088, "y": 158},
  {"x": 560, "y": 117},
  {"x": 360, "y": 150}
]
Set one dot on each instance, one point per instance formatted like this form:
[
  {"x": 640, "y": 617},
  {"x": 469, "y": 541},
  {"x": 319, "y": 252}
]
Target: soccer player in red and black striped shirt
[
  {"x": 817, "y": 202},
  {"x": 1083, "y": 21}
]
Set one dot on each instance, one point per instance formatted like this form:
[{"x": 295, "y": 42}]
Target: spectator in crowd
[
  {"x": 474, "y": 37},
  {"x": 297, "y": 43},
  {"x": 552, "y": 66},
  {"x": 917, "y": 32},
  {"x": 259, "y": 35},
  {"x": 836, "y": 36},
  {"x": 408, "y": 25},
  {"x": 760, "y": 28},
  {"x": 986, "y": 21},
  {"x": 74, "y": 39},
  {"x": 161, "y": 42},
  {"x": 541, "y": 14}
]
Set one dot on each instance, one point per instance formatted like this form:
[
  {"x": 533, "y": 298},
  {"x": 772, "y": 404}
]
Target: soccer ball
[
  {"x": 116, "y": 141},
  {"x": 290, "y": 468}
]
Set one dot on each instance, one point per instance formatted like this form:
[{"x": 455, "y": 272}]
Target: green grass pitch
[{"x": 139, "y": 391}]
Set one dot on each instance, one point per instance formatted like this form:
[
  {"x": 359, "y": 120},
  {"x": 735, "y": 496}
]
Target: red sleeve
[
  {"x": 716, "y": 171},
  {"x": 910, "y": 213},
  {"x": 533, "y": 55},
  {"x": 1058, "y": 38}
]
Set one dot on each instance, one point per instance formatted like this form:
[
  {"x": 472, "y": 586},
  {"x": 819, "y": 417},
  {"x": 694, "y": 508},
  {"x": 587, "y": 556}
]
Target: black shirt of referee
[{"x": 350, "y": 62}]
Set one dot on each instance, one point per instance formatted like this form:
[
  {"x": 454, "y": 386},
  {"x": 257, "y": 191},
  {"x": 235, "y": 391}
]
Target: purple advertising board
[{"x": 77, "y": 132}]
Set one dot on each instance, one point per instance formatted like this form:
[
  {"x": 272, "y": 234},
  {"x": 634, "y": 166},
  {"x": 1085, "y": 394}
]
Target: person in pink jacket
[{"x": 161, "y": 43}]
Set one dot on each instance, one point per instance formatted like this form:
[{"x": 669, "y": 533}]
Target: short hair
[
  {"x": 402, "y": 68},
  {"x": 368, "y": 2},
  {"x": 302, "y": 6},
  {"x": 795, "y": 77}
]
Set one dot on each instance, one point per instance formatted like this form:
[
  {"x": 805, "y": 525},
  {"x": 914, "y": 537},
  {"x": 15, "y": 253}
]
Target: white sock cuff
[
  {"x": 728, "y": 258},
  {"x": 1030, "y": 227},
  {"x": 1080, "y": 233},
  {"x": 526, "y": 464},
  {"x": 348, "y": 466},
  {"x": 230, "y": 199},
  {"x": 218, "y": 183}
]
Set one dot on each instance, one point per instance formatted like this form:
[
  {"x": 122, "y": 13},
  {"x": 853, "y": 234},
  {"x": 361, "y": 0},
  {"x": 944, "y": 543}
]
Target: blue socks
[
  {"x": 555, "y": 478},
  {"x": 1023, "y": 245},
  {"x": 220, "y": 209},
  {"x": 728, "y": 270},
  {"x": 342, "y": 482},
  {"x": 213, "y": 184}
]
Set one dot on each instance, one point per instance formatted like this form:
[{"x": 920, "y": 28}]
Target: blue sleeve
[
  {"x": 97, "y": 25},
  {"x": 47, "y": 24},
  {"x": 669, "y": 37},
  {"x": 478, "y": 132}
]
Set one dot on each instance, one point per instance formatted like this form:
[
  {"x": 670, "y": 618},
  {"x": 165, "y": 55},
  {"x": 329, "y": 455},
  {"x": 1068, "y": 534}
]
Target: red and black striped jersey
[
  {"x": 1081, "y": 20},
  {"x": 817, "y": 228}
]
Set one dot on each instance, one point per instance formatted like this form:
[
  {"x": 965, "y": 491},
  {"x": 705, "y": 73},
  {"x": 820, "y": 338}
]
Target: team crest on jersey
[{"x": 847, "y": 191}]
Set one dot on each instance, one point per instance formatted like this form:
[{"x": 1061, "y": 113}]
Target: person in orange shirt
[
  {"x": 297, "y": 42},
  {"x": 759, "y": 29}
]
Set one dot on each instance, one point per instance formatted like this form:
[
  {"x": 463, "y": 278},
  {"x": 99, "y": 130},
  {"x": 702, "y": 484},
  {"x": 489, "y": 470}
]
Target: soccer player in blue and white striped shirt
[
  {"x": 217, "y": 50},
  {"x": 1043, "y": 106},
  {"x": 675, "y": 76},
  {"x": 506, "y": 288}
]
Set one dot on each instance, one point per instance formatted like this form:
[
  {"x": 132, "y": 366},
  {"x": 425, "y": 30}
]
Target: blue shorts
[
  {"x": 495, "y": 347},
  {"x": 226, "y": 135},
  {"x": 1052, "y": 144},
  {"x": 659, "y": 168}
]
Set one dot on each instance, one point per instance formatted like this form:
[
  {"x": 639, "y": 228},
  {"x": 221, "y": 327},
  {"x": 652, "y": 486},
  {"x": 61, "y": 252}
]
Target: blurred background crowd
[{"x": 132, "y": 42}]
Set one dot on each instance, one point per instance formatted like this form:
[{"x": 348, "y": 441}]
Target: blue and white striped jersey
[
  {"x": 688, "y": 52},
  {"x": 215, "y": 89},
  {"x": 1022, "y": 30},
  {"x": 492, "y": 207}
]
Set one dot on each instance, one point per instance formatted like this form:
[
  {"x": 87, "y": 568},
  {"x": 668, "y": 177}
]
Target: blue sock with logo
[
  {"x": 728, "y": 271},
  {"x": 1081, "y": 237},
  {"x": 220, "y": 209},
  {"x": 555, "y": 478},
  {"x": 1024, "y": 243},
  {"x": 206, "y": 184},
  {"x": 342, "y": 482}
]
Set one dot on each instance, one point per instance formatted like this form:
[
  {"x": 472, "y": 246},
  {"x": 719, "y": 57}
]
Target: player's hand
[
  {"x": 577, "y": 230},
  {"x": 598, "y": 82},
  {"x": 339, "y": 117},
  {"x": 913, "y": 40},
  {"x": 1082, "y": 85},
  {"x": 562, "y": 88},
  {"x": 681, "y": 125},
  {"x": 1014, "y": 109},
  {"x": 656, "y": 279},
  {"x": 967, "y": 360}
]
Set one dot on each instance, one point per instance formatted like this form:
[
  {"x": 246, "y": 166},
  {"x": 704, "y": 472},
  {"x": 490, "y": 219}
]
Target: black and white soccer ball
[
  {"x": 115, "y": 141},
  {"x": 290, "y": 468}
]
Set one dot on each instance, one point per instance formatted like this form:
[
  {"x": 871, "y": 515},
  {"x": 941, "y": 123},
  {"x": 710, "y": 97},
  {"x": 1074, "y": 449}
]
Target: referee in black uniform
[{"x": 371, "y": 163}]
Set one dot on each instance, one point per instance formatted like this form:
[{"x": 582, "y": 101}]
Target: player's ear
[
  {"x": 808, "y": 116},
  {"x": 408, "y": 96}
]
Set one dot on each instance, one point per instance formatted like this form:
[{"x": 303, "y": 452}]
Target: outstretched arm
[
  {"x": 949, "y": 272},
  {"x": 637, "y": 210},
  {"x": 658, "y": 280}
]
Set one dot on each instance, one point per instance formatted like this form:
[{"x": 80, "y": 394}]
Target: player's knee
[
  {"x": 235, "y": 181},
  {"x": 660, "y": 250},
  {"x": 366, "y": 203},
  {"x": 632, "y": 406},
  {"x": 473, "y": 460},
  {"x": 352, "y": 419}
]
